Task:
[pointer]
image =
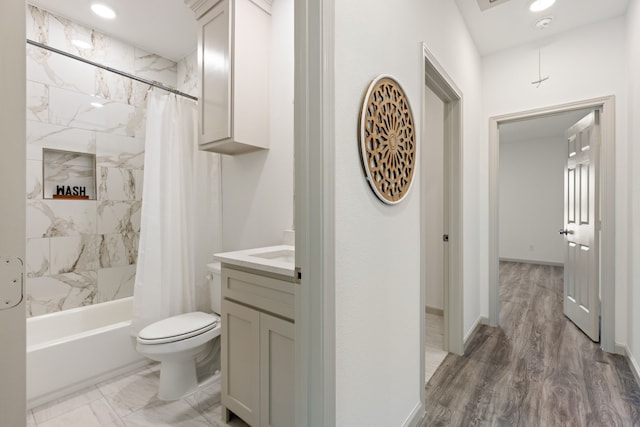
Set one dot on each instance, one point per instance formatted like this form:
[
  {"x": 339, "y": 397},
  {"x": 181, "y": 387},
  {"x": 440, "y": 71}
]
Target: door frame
[
  {"x": 314, "y": 189},
  {"x": 437, "y": 80},
  {"x": 607, "y": 210}
]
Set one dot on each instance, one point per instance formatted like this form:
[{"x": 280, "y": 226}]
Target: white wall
[
  {"x": 377, "y": 258},
  {"x": 585, "y": 63},
  {"x": 257, "y": 188},
  {"x": 633, "y": 296},
  {"x": 433, "y": 153},
  {"x": 12, "y": 209},
  {"x": 531, "y": 192}
]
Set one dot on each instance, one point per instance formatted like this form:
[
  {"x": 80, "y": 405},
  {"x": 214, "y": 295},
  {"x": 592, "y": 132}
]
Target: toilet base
[{"x": 177, "y": 379}]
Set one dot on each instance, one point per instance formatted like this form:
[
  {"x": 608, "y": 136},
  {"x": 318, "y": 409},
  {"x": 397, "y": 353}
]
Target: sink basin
[
  {"x": 274, "y": 259},
  {"x": 282, "y": 255}
]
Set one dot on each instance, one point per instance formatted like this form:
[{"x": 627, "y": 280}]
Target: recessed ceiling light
[
  {"x": 97, "y": 105},
  {"x": 81, "y": 44},
  {"x": 539, "y": 5},
  {"x": 103, "y": 11},
  {"x": 543, "y": 23}
]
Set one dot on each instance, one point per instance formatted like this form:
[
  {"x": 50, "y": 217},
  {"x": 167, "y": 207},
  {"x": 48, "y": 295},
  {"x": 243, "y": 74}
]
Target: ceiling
[
  {"x": 540, "y": 128},
  {"x": 511, "y": 23},
  {"x": 164, "y": 27},
  {"x": 168, "y": 27}
]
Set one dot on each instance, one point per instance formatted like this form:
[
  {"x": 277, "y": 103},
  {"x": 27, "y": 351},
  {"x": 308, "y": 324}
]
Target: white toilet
[{"x": 178, "y": 341}]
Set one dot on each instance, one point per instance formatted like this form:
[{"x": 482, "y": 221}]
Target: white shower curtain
[{"x": 165, "y": 282}]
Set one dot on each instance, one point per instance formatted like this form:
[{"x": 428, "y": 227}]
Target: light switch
[{"x": 11, "y": 278}]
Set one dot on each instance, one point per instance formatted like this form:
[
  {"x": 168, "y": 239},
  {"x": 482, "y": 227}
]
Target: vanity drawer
[{"x": 264, "y": 293}]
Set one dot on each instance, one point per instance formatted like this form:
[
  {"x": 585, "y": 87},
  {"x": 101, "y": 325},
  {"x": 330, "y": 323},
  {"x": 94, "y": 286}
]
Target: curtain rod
[{"x": 113, "y": 70}]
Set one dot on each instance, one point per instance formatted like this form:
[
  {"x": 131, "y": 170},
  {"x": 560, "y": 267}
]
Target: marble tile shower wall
[{"x": 82, "y": 252}]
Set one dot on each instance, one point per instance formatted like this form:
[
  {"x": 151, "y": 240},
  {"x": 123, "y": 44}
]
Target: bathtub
[{"x": 73, "y": 349}]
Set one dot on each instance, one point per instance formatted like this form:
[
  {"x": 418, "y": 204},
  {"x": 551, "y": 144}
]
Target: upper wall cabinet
[{"x": 233, "y": 69}]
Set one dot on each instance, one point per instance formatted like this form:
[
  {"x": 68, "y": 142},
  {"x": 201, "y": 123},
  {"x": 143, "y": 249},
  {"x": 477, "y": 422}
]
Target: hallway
[{"x": 537, "y": 369}]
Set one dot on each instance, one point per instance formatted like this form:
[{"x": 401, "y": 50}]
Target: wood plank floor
[{"x": 537, "y": 369}]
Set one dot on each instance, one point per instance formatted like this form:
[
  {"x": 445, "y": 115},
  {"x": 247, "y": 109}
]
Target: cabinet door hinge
[
  {"x": 11, "y": 282},
  {"x": 297, "y": 275}
]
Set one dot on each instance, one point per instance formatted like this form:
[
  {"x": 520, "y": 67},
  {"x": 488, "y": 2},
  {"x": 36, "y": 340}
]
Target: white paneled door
[
  {"x": 12, "y": 214},
  {"x": 582, "y": 226}
]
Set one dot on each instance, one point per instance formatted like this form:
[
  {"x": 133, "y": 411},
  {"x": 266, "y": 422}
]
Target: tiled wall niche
[
  {"x": 68, "y": 175},
  {"x": 81, "y": 252}
]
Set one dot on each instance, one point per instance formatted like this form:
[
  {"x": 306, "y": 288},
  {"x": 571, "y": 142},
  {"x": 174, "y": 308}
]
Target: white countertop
[{"x": 278, "y": 259}]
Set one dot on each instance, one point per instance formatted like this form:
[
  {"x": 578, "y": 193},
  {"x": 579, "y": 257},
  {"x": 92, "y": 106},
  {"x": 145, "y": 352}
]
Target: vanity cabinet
[
  {"x": 233, "y": 74},
  {"x": 257, "y": 351}
]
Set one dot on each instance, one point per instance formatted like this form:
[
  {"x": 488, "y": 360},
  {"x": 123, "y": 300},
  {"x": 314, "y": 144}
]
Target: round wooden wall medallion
[{"x": 387, "y": 140}]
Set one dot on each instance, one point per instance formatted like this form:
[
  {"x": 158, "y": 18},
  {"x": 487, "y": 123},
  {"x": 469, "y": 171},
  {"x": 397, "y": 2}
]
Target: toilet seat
[{"x": 178, "y": 328}]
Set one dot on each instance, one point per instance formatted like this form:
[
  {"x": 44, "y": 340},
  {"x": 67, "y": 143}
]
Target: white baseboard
[
  {"x": 65, "y": 391},
  {"x": 415, "y": 417},
  {"x": 633, "y": 363},
  {"x": 620, "y": 349},
  {"x": 481, "y": 320},
  {"x": 530, "y": 261},
  {"x": 433, "y": 310}
]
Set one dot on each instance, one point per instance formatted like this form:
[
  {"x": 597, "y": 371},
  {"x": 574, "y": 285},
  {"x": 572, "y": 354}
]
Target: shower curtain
[{"x": 165, "y": 282}]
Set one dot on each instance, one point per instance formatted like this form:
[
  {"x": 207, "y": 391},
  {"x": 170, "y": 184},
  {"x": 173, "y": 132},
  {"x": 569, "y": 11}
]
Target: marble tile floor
[
  {"x": 434, "y": 355},
  {"x": 130, "y": 401}
]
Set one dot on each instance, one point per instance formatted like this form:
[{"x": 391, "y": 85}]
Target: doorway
[
  {"x": 606, "y": 202},
  {"x": 434, "y": 213},
  {"x": 441, "y": 207},
  {"x": 533, "y": 158}
]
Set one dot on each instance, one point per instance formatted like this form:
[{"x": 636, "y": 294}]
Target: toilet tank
[{"x": 215, "y": 286}]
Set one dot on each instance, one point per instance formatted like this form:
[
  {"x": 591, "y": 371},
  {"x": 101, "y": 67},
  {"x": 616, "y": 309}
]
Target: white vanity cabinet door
[
  {"x": 214, "y": 48},
  {"x": 276, "y": 372},
  {"x": 234, "y": 46},
  {"x": 240, "y": 361}
]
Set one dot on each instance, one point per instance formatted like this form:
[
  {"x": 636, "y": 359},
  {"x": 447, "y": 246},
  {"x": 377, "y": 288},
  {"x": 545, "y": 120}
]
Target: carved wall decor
[{"x": 387, "y": 140}]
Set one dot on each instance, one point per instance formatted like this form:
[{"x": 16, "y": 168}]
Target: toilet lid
[{"x": 178, "y": 327}]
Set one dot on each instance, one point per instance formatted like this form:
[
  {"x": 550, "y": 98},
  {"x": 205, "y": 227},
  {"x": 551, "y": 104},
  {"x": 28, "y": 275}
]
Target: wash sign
[{"x": 67, "y": 190}]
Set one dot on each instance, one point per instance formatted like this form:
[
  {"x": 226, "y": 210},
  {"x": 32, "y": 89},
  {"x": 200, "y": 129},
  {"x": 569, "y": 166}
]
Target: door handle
[{"x": 565, "y": 232}]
